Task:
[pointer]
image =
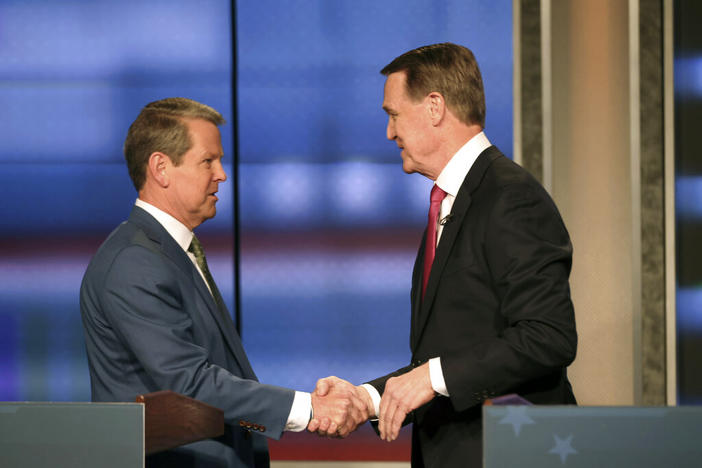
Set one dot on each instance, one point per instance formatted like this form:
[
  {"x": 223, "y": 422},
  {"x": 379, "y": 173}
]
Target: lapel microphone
[{"x": 446, "y": 219}]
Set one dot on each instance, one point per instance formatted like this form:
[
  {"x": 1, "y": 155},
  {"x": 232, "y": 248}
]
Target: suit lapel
[
  {"x": 217, "y": 308},
  {"x": 221, "y": 315},
  {"x": 416, "y": 293},
  {"x": 448, "y": 238}
]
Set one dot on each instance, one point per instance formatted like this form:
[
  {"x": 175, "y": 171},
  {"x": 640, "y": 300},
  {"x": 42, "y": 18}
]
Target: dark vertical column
[
  {"x": 531, "y": 110},
  {"x": 653, "y": 277},
  {"x": 687, "y": 44},
  {"x": 235, "y": 175}
]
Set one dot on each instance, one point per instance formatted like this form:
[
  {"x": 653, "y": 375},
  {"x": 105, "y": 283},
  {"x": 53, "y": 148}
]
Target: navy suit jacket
[
  {"x": 497, "y": 309},
  {"x": 151, "y": 324}
]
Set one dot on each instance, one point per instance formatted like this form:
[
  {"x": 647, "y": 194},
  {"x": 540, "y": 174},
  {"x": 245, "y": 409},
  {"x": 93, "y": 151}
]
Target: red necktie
[{"x": 437, "y": 196}]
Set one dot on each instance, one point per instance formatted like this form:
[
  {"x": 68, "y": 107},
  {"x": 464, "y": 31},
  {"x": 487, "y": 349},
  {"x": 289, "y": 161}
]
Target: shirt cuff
[
  {"x": 375, "y": 396},
  {"x": 436, "y": 375},
  {"x": 300, "y": 412}
]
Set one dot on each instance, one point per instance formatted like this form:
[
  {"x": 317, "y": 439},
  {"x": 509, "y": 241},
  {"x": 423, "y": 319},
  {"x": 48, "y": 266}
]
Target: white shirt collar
[
  {"x": 452, "y": 176},
  {"x": 181, "y": 234}
]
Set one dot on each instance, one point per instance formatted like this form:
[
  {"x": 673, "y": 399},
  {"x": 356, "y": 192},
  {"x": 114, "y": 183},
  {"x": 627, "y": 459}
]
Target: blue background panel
[{"x": 329, "y": 222}]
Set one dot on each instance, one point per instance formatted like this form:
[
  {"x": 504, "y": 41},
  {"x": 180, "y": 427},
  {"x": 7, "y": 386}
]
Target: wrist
[{"x": 367, "y": 400}]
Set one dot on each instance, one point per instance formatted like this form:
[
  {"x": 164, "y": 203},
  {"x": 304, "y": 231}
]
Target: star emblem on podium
[
  {"x": 562, "y": 447},
  {"x": 517, "y": 417}
]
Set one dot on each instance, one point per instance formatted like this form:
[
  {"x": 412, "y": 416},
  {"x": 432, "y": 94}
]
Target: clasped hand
[
  {"x": 339, "y": 407},
  {"x": 403, "y": 394}
]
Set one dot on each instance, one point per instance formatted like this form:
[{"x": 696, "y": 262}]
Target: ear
[
  {"x": 157, "y": 168},
  {"x": 437, "y": 107}
]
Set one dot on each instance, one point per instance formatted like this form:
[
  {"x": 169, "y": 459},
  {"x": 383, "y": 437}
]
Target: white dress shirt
[{"x": 301, "y": 408}]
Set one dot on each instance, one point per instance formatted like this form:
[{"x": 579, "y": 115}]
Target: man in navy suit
[
  {"x": 152, "y": 313},
  {"x": 491, "y": 308}
]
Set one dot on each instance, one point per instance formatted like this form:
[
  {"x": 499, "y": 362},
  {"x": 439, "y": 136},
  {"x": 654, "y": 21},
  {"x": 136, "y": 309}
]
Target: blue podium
[
  {"x": 71, "y": 435},
  {"x": 105, "y": 435},
  {"x": 587, "y": 437}
]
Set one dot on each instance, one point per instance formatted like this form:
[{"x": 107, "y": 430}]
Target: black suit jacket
[{"x": 497, "y": 309}]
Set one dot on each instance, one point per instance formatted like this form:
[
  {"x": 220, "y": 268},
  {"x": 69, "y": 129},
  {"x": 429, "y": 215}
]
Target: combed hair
[
  {"x": 161, "y": 126},
  {"x": 448, "y": 69}
]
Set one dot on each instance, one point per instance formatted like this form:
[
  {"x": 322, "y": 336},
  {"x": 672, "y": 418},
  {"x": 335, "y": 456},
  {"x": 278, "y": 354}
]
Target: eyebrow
[{"x": 208, "y": 155}]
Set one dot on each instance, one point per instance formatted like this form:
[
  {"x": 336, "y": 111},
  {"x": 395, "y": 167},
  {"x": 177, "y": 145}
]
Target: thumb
[{"x": 322, "y": 387}]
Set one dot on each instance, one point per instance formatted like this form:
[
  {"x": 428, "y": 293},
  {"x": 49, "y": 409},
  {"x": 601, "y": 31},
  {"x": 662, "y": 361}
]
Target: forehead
[
  {"x": 205, "y": 134},
  {"x": 395, "y": 90}
]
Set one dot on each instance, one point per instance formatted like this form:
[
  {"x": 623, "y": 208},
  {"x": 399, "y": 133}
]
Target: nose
[
  {"x": 219, "y": 174},
  {"x": 390, "y": 130}
]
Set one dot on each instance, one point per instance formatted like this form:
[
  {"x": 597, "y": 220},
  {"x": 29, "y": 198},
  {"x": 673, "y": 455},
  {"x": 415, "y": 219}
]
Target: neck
[
  {"x": 459, "y": 137},
  {"x": 454, "y": 139},
  {"x": 155, "y": 199}
]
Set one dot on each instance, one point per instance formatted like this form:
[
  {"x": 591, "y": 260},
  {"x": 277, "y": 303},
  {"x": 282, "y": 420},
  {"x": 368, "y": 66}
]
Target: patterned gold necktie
[{"x": 197, "y": 250}]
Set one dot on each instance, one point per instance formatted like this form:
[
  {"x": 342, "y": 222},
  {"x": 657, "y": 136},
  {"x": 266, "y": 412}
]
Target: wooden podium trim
[{"x": 172, "y": 419}]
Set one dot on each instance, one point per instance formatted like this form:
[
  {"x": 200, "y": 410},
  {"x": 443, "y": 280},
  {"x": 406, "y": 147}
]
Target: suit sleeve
[
  {"x": 379, "y": 383},
  {"x": 143, "y": 301},
  {"x": 528, "y": 254}
]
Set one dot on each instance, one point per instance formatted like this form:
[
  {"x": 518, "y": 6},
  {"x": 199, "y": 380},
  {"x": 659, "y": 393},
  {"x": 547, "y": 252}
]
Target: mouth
[{"x": 213, "y": 195}]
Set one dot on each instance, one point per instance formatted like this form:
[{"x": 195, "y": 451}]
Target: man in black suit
[{"x": 491, "y": 307}]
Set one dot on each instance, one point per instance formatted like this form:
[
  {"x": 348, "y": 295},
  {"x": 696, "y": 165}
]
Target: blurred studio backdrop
[
  {"x": 327, "y": 224},
  {"x": 317, "y": 226}
]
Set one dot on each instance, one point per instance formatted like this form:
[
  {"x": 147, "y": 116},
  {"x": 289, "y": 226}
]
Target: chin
[{"x": 208, "y": 215}]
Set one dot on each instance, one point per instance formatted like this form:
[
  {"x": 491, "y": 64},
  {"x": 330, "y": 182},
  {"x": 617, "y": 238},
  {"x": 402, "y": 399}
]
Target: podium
[
  {"x": 109, "y": 435},
  {"x": 581, "y": 436},
  {"x": 172, "y": 420},
  {"x": 119, "y": 435}
]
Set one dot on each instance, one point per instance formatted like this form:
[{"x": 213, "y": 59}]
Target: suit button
[
  {"x": 242, "y": 423},
  {"x": 262, "y": 428}
]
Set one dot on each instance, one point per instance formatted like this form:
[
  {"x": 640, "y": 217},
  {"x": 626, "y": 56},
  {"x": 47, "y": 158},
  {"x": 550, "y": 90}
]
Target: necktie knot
[
  {"x": 196, "y": 249},
  {"x": 437, "y": 195}
]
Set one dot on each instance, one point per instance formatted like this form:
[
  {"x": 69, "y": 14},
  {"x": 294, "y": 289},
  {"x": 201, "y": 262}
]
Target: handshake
[{"x": 339, "y": 407}]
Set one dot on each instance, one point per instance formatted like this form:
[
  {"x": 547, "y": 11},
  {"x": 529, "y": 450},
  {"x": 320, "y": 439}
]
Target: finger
[
  {"x": 333, "y": 428},
  {"x": 382, "y": 418},
  {"x": 324, "y": 425},
  {"x": 396, "y": 425},
  {"x": 343, "y": 431},
  {"x": 387, "y": 413},
  {"x": 389, "y": 416},
  {"x": 313, "y": 425},
  {"x": 349, "y": 425},
  {"x": 382, "y": 410}
]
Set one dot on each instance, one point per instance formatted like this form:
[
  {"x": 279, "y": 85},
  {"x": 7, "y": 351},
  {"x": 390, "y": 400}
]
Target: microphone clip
[{"x": 446, "y": 219}]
